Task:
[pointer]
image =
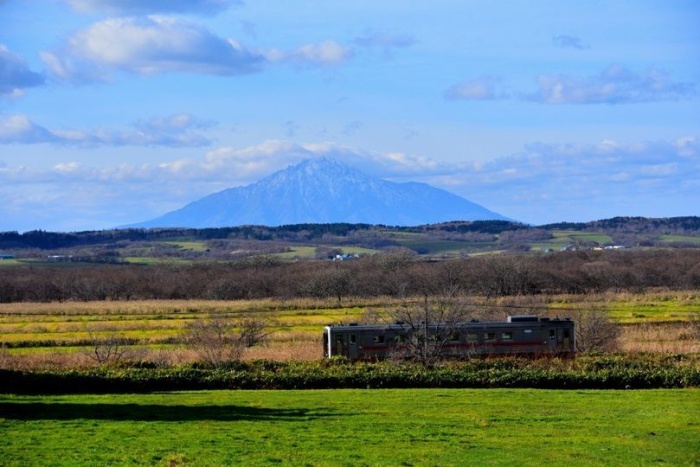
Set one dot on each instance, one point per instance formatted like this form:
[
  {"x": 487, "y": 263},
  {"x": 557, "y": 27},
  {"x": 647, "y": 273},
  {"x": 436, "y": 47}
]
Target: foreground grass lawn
[{"x": 354, "y": 427}]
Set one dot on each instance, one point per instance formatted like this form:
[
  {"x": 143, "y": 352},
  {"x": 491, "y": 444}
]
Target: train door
[
  {"x": 353, "y": 346},
  {"x": 559, "y": 339},
  {"x": 339, "y": 347},
  {"x": 567, "y": 339},
  {"x": 552, "y": 340}
]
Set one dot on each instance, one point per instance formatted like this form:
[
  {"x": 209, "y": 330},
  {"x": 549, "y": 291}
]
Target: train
[{"x": 518, "y": 335}]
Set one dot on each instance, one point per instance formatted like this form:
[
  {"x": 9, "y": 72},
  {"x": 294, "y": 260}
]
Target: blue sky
[{"x": 117, "y": 111}]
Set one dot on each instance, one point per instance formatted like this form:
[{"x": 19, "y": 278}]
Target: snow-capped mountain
[{"x": 324, "y": 191}]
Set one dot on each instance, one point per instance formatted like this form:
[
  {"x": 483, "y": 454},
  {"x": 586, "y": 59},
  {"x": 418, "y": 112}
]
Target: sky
[{"x": 117, "y": 111}]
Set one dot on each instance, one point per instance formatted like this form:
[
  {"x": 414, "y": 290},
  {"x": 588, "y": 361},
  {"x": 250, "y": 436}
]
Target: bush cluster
[{"x": 602, "y": 372}]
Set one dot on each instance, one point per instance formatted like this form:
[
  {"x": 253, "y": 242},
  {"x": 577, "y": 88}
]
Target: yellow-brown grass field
[{"x": 36, "y": 335}]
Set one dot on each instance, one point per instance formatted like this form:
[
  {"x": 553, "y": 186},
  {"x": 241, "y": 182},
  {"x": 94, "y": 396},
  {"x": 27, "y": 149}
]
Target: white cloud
[
  {"x": 146, "y": 46},
  {"x": 483, "y": 88},
  {"x": 15, "y": 75},
  {"x": 180, "y": 130},
  {"x": 250, "y": 163},
  {"x": 614, "y": 85},
  {"x": 19, "y": 129},
  {"x": 326, "y": 53},
  {"x": 157, "y": 44},
  {"x": 141, "y": 7}
]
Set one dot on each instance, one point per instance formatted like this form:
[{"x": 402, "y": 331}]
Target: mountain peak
[
  {"x": 322, "y": 167},
  {"x": 324, "y": 190}
]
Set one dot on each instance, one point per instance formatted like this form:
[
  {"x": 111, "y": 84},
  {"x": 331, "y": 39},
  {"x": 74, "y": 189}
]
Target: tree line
[
  {"x": 621, "y": 229},
  {"x": 387, "y": 274},
  {"x": 297, "y": 232}
]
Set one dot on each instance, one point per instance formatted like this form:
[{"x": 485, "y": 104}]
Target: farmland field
[
  {"x": 651, "y": 322},
  {"x": 354, "y": 427}
]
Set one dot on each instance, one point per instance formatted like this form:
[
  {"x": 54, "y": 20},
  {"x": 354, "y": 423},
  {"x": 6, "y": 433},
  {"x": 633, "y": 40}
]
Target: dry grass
[
  {"x": 299, "y": 350},
  {"x": 48, "y": 361},
  {"x": 660, "y": 321},
  {"x": 675, "y": 338},
  {"x": 169, "y": 307}
]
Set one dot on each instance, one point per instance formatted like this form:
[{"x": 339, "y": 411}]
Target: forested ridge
[{"x": 40, "y": 239}]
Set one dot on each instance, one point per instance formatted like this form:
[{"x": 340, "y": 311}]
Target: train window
[
  {"x": 552, "y": 333},
  {"x": 507, "y": 336},
  {"x": 566, "y": 334},
  {"x": 490, "y": 336},
  {"x": 378, "y": 339},
  {"x": 353, "y": 338},
  {"x": 472, "y": 337},
  {"x": 454, "y": 336}
]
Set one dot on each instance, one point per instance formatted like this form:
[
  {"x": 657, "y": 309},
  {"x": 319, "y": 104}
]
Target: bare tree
[
  {"x": 219, "y": 340},
  {"x": 694, "y": 323},
  {"x": 333, "y": 281},
  {"x": 253, "y": 331},
  {"x": 429, "y": 326},
  {"x": 108, "y": 348},
  {"x": 595, "y": 331}
]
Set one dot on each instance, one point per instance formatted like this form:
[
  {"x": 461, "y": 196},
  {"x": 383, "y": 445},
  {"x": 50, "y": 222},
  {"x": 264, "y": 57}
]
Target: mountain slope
[{"x": 323, "y": 191}]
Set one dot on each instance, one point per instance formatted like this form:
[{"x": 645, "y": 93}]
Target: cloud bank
[
  {"x": 614, "y": 85},
  {"x": 180, "y": 130},
  {"x": 144, "y": 7},
  {"x": 590, "y": 181},
  {"x": 152, "y": 45}
]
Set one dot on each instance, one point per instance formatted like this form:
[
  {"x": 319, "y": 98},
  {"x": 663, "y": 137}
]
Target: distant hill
[
  {"x": 677, "y": 232},
  {"x": 323, "y": 191}
]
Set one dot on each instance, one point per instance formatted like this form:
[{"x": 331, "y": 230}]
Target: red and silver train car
[{"x": 519, "y": 335}]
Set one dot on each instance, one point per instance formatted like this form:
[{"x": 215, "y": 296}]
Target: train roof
[{"x": 520, "y": 319}]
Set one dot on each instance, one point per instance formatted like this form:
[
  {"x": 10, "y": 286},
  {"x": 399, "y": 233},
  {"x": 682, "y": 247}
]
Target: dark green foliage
[
  {"x": 53, "y": 240},
  {"x": 587, "y": 372}
]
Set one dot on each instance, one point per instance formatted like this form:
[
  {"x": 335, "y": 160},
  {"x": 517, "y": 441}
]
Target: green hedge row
[{"x": 597, "y": 373}]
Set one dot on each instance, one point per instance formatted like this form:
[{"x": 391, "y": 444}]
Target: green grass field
[
  {"x": 189, "y": 245},
  {"x": 309, "y": 252},
  {"x": 679, "y": 239},
  {"x": 354, "y": 427}
]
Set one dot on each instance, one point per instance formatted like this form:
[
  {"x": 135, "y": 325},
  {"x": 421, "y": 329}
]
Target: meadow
[
  {"x": 116, "y": 426},
  {"x": 354, "y": 427}
]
